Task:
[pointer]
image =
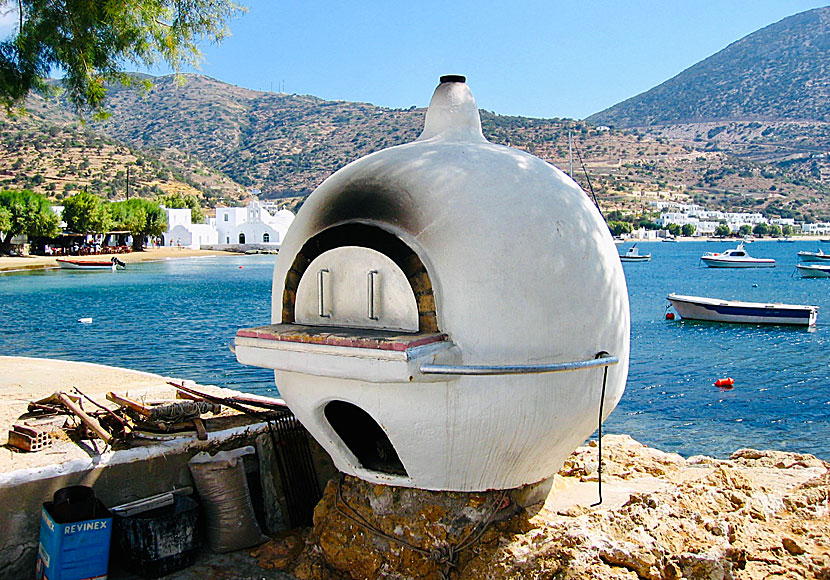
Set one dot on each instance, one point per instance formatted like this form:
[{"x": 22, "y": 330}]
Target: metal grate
[{"x": 296, "y": 467}]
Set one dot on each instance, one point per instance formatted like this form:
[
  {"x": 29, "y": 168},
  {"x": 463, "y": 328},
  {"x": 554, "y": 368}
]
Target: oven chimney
[{"x": 453, "y": 113}]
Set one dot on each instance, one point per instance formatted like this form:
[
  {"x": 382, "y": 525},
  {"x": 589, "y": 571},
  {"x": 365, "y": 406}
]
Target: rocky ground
[{"x": 758, "y": 515}]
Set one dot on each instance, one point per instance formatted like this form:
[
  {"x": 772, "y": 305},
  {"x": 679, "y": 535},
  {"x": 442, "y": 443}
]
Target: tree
[
  {"x": 5, "y": 219},
  {"x": 745, "y": 230},
  {"x": 25, "y": 212},
  {"x": 787, "y": 230},
  {"x": 140, "y": 217},
  {"x": 91, "y": 42},
  {"x": 775, "y": 231},
  {"x": 180, "y": 200},
  {"x": 760, "y": 229},
  {"x": 619, "y": 228},
  {"x": 688, "y": 230},
  {"x": 674, "y": 229},
  {"x": 722, "y": 230},
  {"x": 85, "y": 213}
]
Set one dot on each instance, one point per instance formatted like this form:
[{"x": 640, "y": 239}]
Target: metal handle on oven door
[
  {"x": 370, "y": 293},
  {"x": 321, "y": 309},
  {"x": 601, "y": 361}
]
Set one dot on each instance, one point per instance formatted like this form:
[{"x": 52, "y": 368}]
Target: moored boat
[
  {"x": 735, "y": 258},
  {"x": 633, "y": 255},
  {"x": 112, "y": 264},
  {"x": 736, "y": 311},
  {"x": 819, "y": 256},
  {"x": 813, "y": 270}
]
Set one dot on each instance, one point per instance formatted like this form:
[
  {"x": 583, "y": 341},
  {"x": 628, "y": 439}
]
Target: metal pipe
[{"x": 605, "y": 361}]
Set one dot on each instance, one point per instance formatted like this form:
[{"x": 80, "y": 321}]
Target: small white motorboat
[
  {"x": 111, "y": 264},
  {"x": 716, "y": 310},
  {"x": 633, "y": 255},
  {"x": 814, "y": 256},
  {"x": 735, "y": 258},
  {"x": 813, "y": 270}
]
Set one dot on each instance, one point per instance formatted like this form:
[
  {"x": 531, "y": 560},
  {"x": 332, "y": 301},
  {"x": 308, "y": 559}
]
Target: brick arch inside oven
[{"x": 375, "y": 238}]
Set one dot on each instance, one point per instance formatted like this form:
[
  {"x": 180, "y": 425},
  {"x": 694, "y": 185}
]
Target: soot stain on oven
[{"x": 343, "y": 222}]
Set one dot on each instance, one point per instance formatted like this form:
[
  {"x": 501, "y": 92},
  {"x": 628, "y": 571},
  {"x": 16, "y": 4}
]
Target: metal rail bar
[{"x": 604, "y": 361}]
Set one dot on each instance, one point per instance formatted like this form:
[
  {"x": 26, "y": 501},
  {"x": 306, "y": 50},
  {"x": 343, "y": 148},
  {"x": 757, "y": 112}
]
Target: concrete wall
[{"x": 117, "y": 477}]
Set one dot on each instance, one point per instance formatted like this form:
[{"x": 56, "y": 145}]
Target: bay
[{"x": 177, "y": 317}]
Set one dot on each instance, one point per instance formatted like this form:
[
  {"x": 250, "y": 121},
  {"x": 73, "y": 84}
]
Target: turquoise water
[{"x": 177, "y": 317}]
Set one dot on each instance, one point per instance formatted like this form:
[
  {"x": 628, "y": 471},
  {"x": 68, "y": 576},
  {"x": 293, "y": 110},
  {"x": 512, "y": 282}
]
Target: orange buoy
[
  {"x": 726, "y": 383},
  {"x": 240, "y": 267},
  {"x": 669, "y": 315}
]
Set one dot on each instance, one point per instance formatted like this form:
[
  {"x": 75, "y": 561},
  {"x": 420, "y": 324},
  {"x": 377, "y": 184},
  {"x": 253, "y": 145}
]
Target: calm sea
[{"x": 176, "y": 318}]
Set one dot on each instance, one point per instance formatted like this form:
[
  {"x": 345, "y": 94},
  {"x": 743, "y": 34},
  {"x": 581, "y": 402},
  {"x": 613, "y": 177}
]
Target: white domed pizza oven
[{"x": 448, "y": 314}]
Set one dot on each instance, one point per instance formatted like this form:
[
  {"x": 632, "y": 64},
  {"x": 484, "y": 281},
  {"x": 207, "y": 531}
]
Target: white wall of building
[
  {"x": 191, "y": 236},
  {"x": 252, "y": 225},
  {"x": 178, "y": 217},
  {"x": 227, "y": 220}
]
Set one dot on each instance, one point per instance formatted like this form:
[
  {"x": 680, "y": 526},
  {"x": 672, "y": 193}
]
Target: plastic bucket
[{"x": 160, "y": 541}]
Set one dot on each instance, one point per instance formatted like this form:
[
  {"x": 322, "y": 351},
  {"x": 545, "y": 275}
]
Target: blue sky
[{"x": 532, "y": 58}]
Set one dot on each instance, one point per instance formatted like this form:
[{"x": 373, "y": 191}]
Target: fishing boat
[
  {"x": 814, "y": 256},
  {"x": 813, "y": 270},
  {"x": 735, "y": 258},
  {"x": 633, "y": 255},
  {"x": 111, "y": 264},
  {"x": 717, "y": 310}
]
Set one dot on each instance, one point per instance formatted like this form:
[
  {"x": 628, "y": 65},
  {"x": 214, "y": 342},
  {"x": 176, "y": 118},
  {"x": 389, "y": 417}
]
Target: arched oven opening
[
  {"x": 372, "y": 238},
  {"x": 364, "y": 438}
]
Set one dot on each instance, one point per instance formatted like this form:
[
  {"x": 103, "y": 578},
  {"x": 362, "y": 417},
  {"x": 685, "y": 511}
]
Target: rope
[
  {"x": 181, "y": 411},
  {"x": 591, "y": 187},
  {"x": 600, "y": 354},
  {"x": 445, "y": 555}
]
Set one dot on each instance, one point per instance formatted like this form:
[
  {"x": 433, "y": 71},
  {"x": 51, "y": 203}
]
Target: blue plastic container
[{"x": 75, "y": 533}]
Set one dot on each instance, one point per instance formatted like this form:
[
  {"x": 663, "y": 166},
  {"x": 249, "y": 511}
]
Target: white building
[
  {"x": 252, "y": 225},
  {"x": 706, "y": 221},
  {"x": 182, "y": 232},
  {"x": 819, "y": 229}
]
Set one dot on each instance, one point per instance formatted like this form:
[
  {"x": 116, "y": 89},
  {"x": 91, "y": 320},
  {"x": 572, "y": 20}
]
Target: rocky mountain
[
  {"x": 779, "y": 73},
  {"x": 764, "y": 98},
  {"x": 222, "y": 140}
]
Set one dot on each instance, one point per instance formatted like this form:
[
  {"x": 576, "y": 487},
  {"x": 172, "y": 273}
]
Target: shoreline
[
  {"x": 11, "y": 264},
  {"x": 754, "y": 515}
]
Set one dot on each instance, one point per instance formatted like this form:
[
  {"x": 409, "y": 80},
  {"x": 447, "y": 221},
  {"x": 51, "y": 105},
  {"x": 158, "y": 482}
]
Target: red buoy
[
  {"x": 726, "y": 383},
  {"x": 669, "y": 315}
]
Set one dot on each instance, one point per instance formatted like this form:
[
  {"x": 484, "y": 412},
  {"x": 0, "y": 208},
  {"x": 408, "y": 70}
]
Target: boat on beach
[
  {"x": 735, "y": 258},
  {"x": 111, "y": 264},
  {"x": 813, "y": 270},
  {"x": 735, "y": 311},
  {"x": 819, "y": 256},
  {"x": 633, "y": 255}
]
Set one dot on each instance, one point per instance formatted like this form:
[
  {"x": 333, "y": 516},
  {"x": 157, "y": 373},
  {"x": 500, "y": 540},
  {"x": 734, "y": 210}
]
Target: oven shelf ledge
[{"x": 367, "y": 355}]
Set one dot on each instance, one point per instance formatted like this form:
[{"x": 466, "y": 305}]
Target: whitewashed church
[{"x": 251, "y": 226}]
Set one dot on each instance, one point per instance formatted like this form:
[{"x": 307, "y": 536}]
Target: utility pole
[{"x": 128, "y": 182}]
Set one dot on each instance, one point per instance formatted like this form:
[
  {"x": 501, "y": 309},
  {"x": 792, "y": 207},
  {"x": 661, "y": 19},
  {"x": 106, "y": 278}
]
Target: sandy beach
[{"x": 15, "y": 263}]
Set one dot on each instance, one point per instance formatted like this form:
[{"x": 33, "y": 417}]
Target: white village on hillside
[{"x": 706, "y": 221}]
